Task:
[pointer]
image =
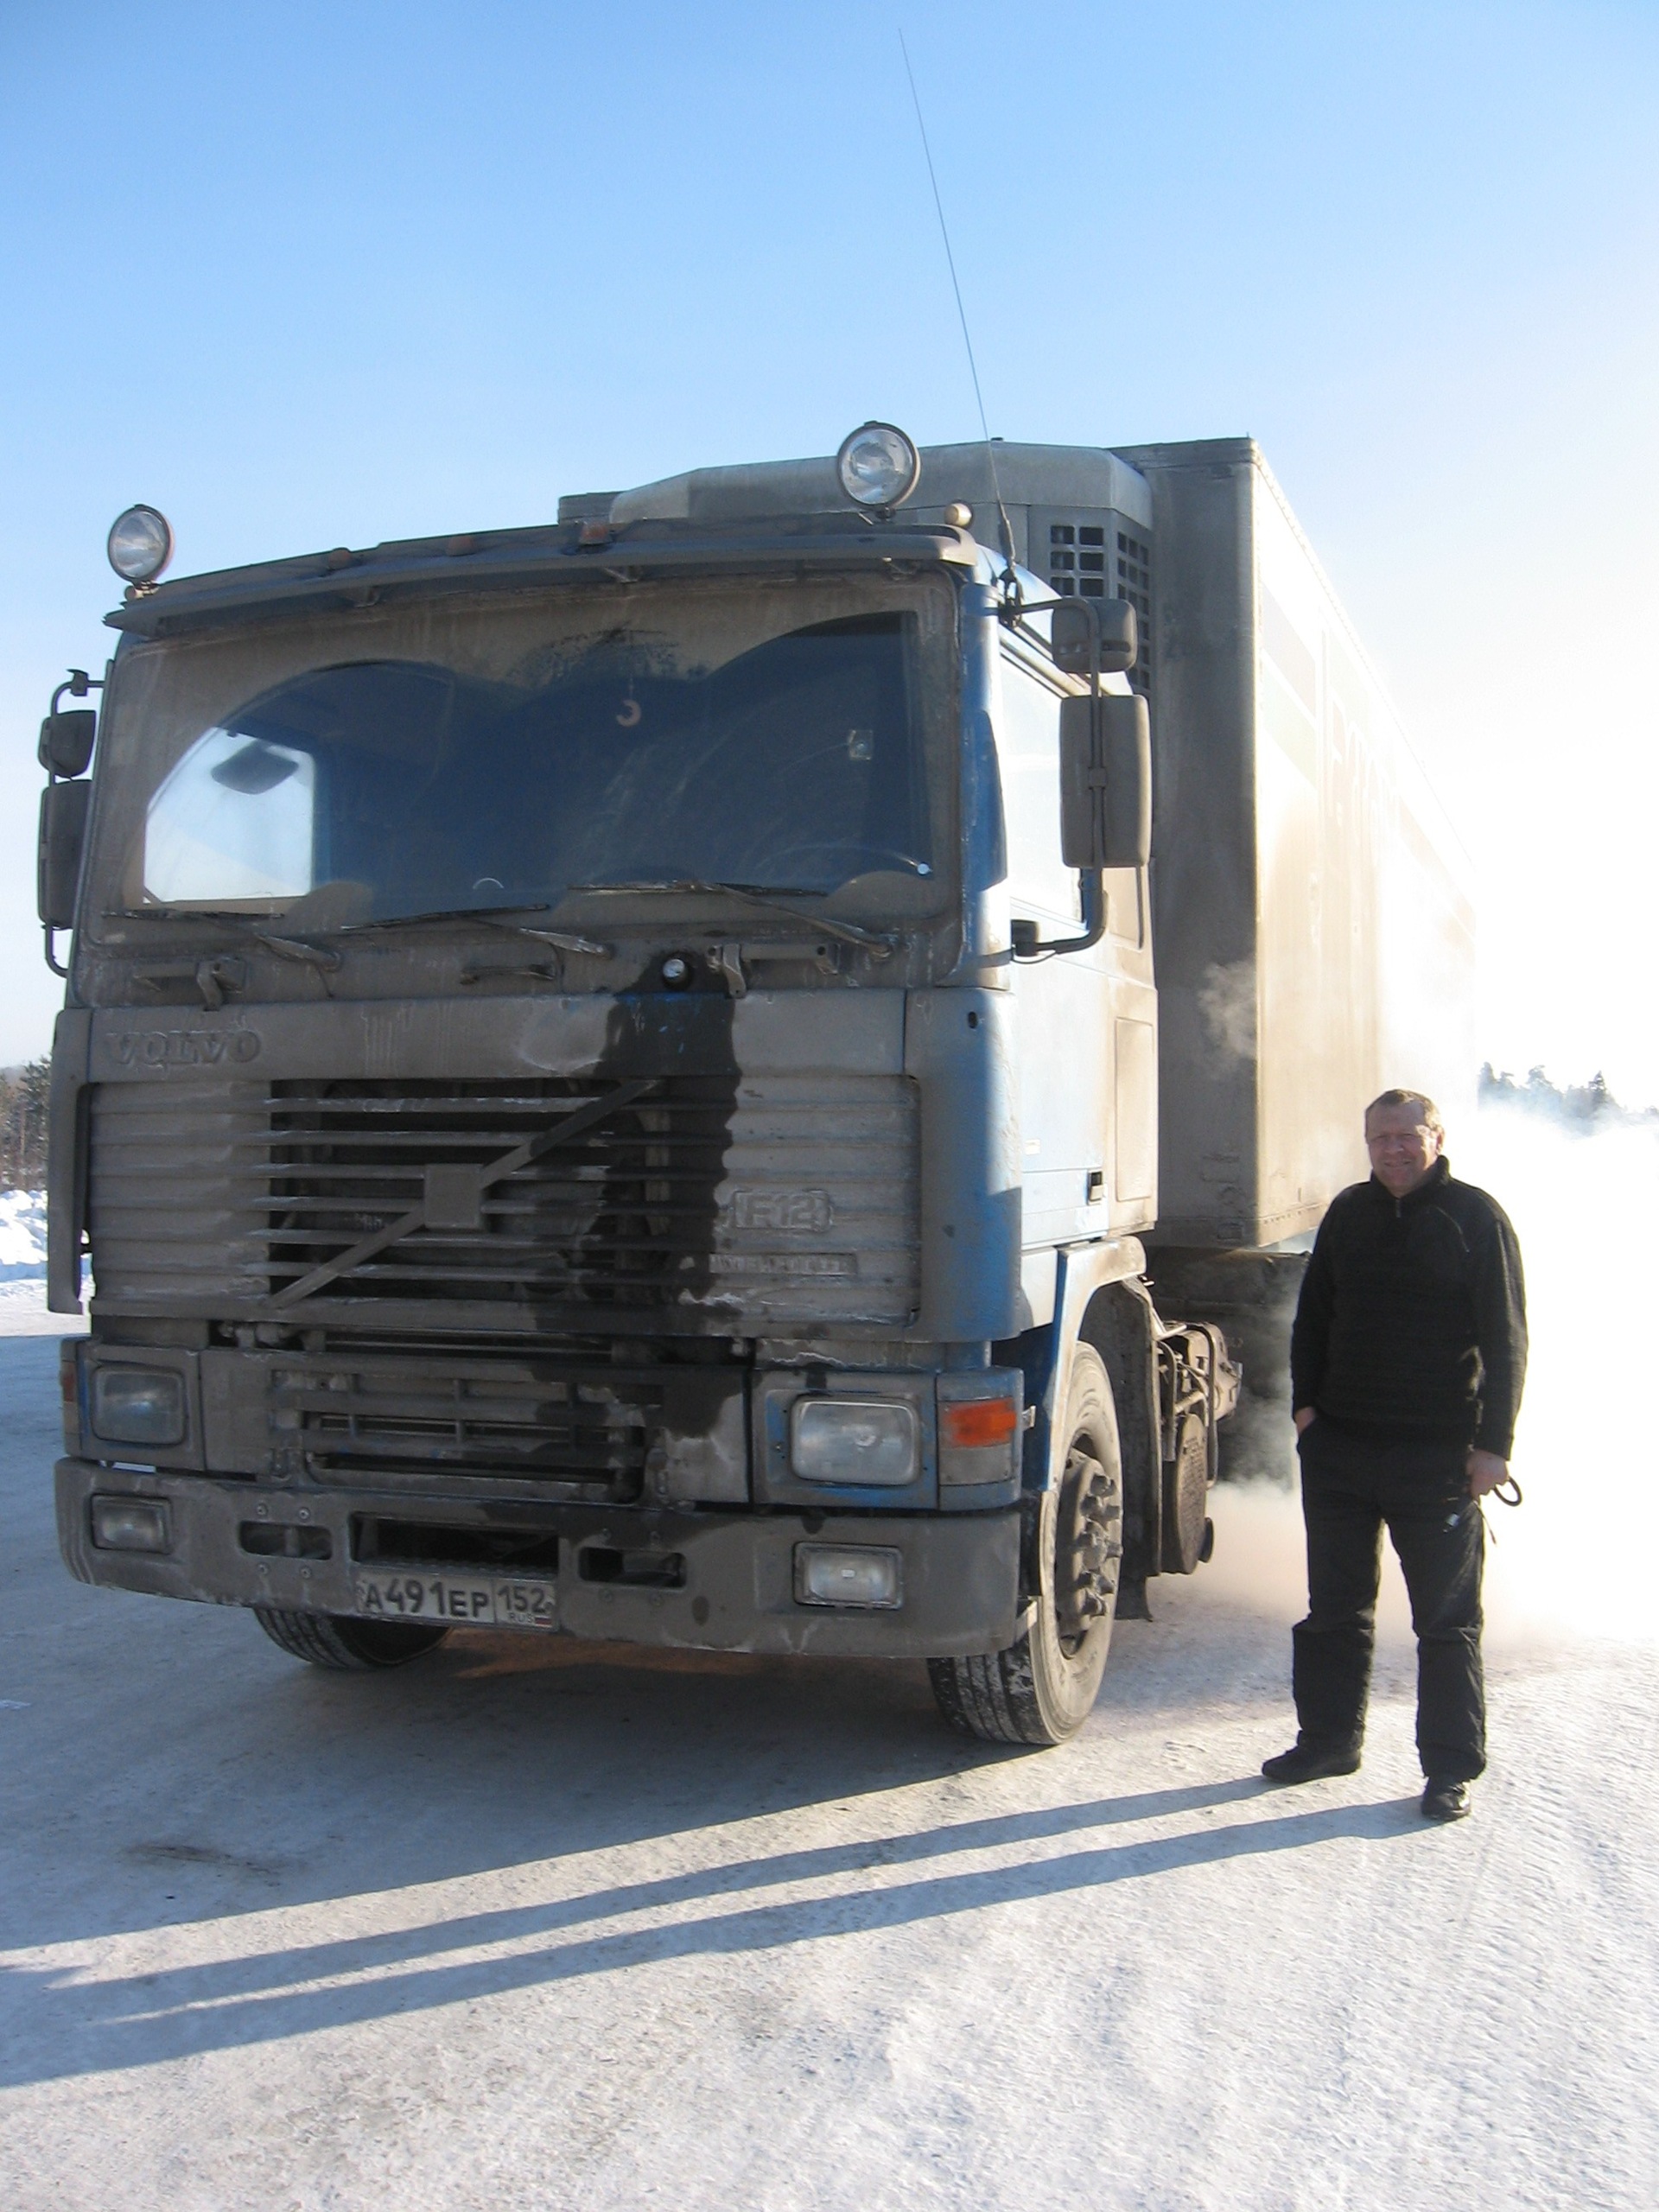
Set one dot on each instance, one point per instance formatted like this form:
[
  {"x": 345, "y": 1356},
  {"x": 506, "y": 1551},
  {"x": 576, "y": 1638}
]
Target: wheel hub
[{"x": 1089, "y": 1543}]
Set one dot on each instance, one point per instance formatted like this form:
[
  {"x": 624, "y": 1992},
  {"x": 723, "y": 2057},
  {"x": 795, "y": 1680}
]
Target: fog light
[
  {"x": 871, "y": 1442},
  {"x": 137, "y": 1405},
  {"x": 849, "y": 1574},
  {"x": 130, "y": 1524}
]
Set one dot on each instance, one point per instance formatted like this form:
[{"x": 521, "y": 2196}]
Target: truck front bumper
[{"x": 728, "y": 1580}]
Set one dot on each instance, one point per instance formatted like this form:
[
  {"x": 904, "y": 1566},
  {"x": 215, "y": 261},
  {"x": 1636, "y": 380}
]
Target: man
[{"x": 1407, "y": 1356}]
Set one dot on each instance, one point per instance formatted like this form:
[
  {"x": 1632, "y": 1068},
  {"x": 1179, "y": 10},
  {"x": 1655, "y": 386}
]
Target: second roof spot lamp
[{"x": 879, "y": 468}]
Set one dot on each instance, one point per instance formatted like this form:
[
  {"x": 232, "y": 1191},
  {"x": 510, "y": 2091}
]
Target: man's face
[{"x": 1402, "y": 1146}]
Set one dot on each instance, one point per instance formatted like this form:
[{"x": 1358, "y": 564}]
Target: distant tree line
[
  {"x": 22, "y": 1127},
  {"x": 1582, "y": 1105}
]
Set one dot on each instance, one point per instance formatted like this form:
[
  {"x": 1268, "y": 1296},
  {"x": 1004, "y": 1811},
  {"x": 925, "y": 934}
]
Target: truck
[{"x": 730, "y": 1071}]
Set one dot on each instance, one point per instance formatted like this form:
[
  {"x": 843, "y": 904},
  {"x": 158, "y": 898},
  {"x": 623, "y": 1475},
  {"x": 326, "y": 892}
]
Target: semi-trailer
[{"x": 709, "y": 1073}]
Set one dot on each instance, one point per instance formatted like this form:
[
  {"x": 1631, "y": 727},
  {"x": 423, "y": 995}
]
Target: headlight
[
  {"x": 130, "y": 1524},
  {"x": 871, "y": 1443},
  {"x": 137, "y": 1405},
  {"x": 140, "y": 545},
  {"x": 849, "y": 1574},
  {"x": 878, "y": 465}
]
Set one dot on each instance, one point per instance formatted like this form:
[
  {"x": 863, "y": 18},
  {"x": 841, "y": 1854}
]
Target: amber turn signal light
[{"x": 967, "y": 1424}]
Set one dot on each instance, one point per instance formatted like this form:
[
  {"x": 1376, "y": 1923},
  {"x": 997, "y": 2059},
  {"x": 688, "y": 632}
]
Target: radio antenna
[{"x": 1004, "y": 529}]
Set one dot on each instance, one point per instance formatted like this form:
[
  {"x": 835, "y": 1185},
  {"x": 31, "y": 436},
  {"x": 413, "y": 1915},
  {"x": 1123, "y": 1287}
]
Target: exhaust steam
[{"x": 1580, "y": 1559}]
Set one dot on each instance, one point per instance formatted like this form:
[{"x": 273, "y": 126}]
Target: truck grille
[
  {"x": 794, "y": 1203},
  {"x": 618, "y": 1216},
  {"x": 351, "y": 1418}
]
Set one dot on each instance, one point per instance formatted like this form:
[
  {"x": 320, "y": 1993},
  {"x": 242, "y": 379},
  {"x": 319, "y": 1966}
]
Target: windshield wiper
[
  {"x": 849, "y": 932},
  {"x": 494, "y": 918}
]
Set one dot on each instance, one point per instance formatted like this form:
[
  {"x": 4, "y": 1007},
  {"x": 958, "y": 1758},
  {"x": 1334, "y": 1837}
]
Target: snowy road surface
[{"x": 535, "y": 1924}]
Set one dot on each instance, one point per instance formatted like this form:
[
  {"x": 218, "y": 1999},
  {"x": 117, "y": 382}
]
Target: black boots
[
  {"x": 1308, "y": 1763},
  {"x": 1446, "y": 1801}
]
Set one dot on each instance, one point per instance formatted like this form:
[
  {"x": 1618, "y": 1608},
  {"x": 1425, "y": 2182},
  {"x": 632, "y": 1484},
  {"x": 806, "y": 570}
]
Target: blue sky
[{"x": 310, "y": 275}]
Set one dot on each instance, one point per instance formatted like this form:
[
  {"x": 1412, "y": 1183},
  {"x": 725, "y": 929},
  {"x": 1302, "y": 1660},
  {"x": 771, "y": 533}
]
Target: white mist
[{"x": 1580, "y": 1558}]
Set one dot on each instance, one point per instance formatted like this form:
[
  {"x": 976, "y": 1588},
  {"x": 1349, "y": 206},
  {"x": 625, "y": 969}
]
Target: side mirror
[
  {"x": 1105, "y": 781},
  {"x": 1071, "y": 630},
  {"x": 66, "y": 746},
  {"x": 1120, "y": 638},
  {"x": 63, "y": 834}
]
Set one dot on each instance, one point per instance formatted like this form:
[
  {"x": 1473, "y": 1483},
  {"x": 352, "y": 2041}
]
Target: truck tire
[
  {"x": 1042, "y": 1689},
  {"x": 347, "y": 1647}
]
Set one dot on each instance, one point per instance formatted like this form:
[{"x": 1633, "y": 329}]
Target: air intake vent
[
  {"x": 1077, "y": 560},
  {"x": 1135, "y": 584},
  {"x": 1100, "y": 555}
]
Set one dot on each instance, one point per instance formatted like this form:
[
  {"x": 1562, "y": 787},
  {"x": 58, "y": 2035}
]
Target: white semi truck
[{"x": 705, "y": 1074}]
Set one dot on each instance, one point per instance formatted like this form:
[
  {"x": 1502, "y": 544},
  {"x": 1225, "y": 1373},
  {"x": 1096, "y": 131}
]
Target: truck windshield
[{"x": 449, "y": 757}]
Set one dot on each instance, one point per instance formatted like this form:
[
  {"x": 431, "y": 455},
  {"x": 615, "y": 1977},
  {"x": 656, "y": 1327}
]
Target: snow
[
  {"x": 536, "y": 1924},
  {"x": 22, "y": 1269},
  {"x": 22, "y": 1236}
]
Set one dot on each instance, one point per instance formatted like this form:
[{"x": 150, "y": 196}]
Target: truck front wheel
[
  {"x": 1042, "y": 1689},
  {"x": 347, "y": 1647}
]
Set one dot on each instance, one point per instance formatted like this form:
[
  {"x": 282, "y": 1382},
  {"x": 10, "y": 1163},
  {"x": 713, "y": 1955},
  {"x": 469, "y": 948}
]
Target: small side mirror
[
  {"x": 1071, "y": 626},
  {"x": 1071, "y": 637},
  {"x": 1105, "y": 781},
  {"x": 1119, "y": 639},
  {"x": 66, "y": 746},
  {"x": 63, "y": 834}
]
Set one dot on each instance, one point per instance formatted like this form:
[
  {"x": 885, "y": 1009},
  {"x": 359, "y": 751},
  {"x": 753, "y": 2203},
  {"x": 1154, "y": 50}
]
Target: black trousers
[{"x": 1353, "y": 1486}]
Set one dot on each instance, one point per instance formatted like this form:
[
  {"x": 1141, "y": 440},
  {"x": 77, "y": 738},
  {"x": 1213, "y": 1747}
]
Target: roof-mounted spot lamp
[
  {"x": 879, "y": 468},
  {"x": 140, "y": 546}
]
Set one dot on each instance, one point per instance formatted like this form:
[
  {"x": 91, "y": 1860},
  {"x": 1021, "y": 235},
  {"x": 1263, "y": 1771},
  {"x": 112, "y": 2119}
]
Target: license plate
[{"x": 470, "y": 1600}]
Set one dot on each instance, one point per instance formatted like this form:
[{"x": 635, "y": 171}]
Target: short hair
[{"x": 1429, "y": 1112}]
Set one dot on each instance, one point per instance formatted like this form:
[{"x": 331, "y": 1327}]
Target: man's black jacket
[{"x": 1412, "y": 1315}]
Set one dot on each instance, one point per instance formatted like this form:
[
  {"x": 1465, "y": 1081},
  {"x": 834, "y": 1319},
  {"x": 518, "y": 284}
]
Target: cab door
[{"x": 1086, "y": 1021}]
